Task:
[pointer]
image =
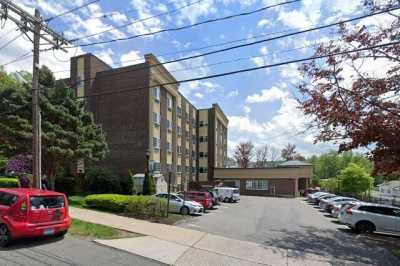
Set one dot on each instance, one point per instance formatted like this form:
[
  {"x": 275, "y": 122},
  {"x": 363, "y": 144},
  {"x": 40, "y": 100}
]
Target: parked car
[
  {"x": 26, "y": 212},
  {"x": 310, "y": 191},
  {"x": 365, "y": 217},
  {"x": 178, "y": 205},
  {"x": 338, "y": 207},
  {"x": 201, "y": 197},
  {"x": 228, "y": 194},
  {"x": 312, "y": 197},
  {"x": 326, "y": 196},
  {"x": 213, "y": 194},
  {"x": 327, "y": 204}
]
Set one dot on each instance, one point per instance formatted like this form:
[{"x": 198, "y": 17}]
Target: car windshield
[{"x": 46, "y": 202}]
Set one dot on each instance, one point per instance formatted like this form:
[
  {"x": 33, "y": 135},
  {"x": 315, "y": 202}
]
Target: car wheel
[
  {"x": 365, "y": 227},
  {"x": 62, "y": 233},
  {"x": 231, "y": 200},
  {"x": 185, "y": 210},
  {"x": 226, "y": 199},
  {"x": 5, "y": 236}
]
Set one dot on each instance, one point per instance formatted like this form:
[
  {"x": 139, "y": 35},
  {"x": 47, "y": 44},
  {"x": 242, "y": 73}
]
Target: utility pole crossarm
[{"x": 27, "y": 22}]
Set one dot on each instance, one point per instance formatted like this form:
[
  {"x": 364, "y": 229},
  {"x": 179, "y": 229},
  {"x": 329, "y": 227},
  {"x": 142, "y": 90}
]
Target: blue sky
[{"x": 261, "y": 105}]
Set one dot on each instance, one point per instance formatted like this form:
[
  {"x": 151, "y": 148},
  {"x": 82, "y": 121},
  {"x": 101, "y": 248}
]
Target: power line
[
  {"x": 252, "y": 43},
  {"x": 10, "y": 41},
  {"x": 244, "y": 70},
  {"x": 20, "y": 58},
  {"x": 70, "y": 11},
  {"x": 177, "y": 28},
  {"x": 137, "y": 21}
]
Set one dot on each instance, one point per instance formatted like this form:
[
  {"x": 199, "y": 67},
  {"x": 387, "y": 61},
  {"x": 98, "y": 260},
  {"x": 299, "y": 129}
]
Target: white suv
[{"x": 365, "y": 217}]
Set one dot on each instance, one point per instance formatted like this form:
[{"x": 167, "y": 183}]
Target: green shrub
[
  {"x": 134, "y": 206},
  {"x": 108, "y": 202},
  {"x": 126, "y": 184},
  {"x": 65, "y": 185},
  {"x": 101, "y": 180},
  {"x": 146, "y": 207},
  {"x": 76, "y": 200},
  {"x": 149, "y": 187},
  {"x": 6, "y": 182}
]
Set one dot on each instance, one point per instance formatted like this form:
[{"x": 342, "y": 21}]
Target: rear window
[
  {"x": 236, "y": 191},
  {"x": 46, "y": 202},
  {"x": 7, "y": 199}
]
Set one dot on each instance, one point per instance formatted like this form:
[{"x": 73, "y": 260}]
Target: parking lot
[{"x": 295, "y": 225}]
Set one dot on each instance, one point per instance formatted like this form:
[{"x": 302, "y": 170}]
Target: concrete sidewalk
[{"x": 179, "y": 246}]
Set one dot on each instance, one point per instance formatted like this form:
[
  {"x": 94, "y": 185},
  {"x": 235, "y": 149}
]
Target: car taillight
[{"x": 349, "y": 211}]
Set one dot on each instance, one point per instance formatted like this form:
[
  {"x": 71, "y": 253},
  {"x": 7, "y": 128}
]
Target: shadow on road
[
  {"x": 341, "y": 244},
  {"x": 32, "y": 242}
]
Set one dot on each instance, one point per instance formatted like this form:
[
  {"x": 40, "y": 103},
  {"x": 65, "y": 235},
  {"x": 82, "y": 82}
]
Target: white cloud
[
  {"x": 199, "y": 95},
  {"x": 233, "y": 93},
  {"x": 106, "y": 56},
  {"x": 119, "y": 18},
  {"x": 307, "y": 16},
  {"x": 291, "y": 73},
  {"x": 268, "y": 95},
  {"x": 144, "y": 10},
  {"x": 131, "y": 58},
  {"x": 194, "y": 12},
  {"x": 246, "y": 109},
  {"x": 263, "y": 22}
]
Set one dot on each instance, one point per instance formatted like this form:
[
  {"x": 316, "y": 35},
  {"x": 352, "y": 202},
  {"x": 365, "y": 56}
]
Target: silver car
[{"x": 178, "y": 205}]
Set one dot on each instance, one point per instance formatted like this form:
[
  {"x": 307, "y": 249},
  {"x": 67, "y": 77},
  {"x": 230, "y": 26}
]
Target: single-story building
[{"x": 288, "y": 179}]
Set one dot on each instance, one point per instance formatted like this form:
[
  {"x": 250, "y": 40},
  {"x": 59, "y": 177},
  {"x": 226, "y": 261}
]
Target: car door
[
  {"x": 174, "y": 203},
  {"x": 392, "y": 219},
  {"x": 385, "y": 219},
  {"x": 396, "y": 213},
  {"x": 3, "y": 207}
]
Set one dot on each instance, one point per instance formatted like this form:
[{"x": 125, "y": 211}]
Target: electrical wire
[
  {"x": 253, "y": 43},
  {"x": 10, "y": 41},
  {"x": 70, "y": 11},
  {"x": 244, "y": 70},
  {"x": 20, "y": 58},
  {"x": 174, "y": 29}
]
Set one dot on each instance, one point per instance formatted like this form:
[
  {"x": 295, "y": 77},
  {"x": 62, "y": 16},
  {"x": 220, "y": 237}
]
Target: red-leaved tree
[{"x": 354, "y": 98}]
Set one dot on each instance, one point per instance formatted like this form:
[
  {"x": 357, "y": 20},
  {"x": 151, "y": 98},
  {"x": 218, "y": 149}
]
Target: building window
[
  {"x": 169, "y": 103},
  {"x": 80, "y": 88},
  {"x": 179, "y": 130},
  {"x": 156, "y": 93},
  {"x": 194, "y": 124},
  {"x": 179, "y": 150},
  {"x": 156, "y": 118},
  {"x": 179, "y": 169},
  {"x": 203, "y": 170},
  {"x": 169, "y": 147},
  {"x": 203, "y": 139},
  {"x": 156, "y": 143},
  {"x": 203, "y": 154},
  {"x": 169, "y": 125},
  {"x": 179, "y": 111},
  {"x": 257, "y": 185},
  {"x": 187, "y": 118},
  {"x": 156, "y": 167},
  {"x": 187, "y": 152}
]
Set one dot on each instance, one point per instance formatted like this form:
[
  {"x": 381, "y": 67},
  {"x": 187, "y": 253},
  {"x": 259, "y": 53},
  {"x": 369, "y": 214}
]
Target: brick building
[{"x": 147, "y": 118}]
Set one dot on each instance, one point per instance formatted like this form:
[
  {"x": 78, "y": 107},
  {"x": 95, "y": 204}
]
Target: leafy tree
[
  {"x": 149, "y": 187},
  {"x": 266, "y": 155},
  {"x": 243, "y": 154},
  {"x": 20, "y": 164},
  {"x": 351, "y": 105},
  {"x": 289, "y": 153},
  {"x": 68, "y": 130},
  {"x": 355, "y": 180},
  {"x": 3, "y": 163}
]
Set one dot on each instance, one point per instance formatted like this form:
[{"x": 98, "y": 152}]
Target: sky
[{"x": 261, "y": 105}]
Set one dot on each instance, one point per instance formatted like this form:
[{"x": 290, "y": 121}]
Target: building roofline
[{"x": 152, "y": 60}]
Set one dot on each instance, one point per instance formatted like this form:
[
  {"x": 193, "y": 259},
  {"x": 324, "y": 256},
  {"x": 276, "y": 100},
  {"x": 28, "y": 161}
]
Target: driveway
[
  {"x": 292, "y": 224},
  {"x": 66, "y": 252}
]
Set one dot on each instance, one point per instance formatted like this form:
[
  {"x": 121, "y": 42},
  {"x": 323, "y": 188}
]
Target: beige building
[
  {"x": 212, "y": 141},
  {"x": 150, "y": 118}
]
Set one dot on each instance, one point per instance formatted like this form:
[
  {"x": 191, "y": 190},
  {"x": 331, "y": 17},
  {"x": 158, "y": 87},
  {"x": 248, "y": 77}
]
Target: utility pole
[
  {"x": 35, "y": 25},
  {"x": 36, "y": 117}
]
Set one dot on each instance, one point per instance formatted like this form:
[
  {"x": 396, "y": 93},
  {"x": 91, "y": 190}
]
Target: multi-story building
[
  {"x": 139, "y": 116},
  {"x": 212, "y": 142}
]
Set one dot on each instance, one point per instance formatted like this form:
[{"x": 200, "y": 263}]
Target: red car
[
  {"x": 26, "y": 212},
  {"x": 203, "y": 198}
]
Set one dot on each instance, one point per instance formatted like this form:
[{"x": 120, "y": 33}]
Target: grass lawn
[{"x": 89, "y": 230}]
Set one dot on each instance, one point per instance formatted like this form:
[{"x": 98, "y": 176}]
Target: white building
[{"x": 390, "y": 189}]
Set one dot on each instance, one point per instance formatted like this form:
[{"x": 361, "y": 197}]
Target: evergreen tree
[
  {"x": 149, "y": 186},
  {"x": 68, "y": 130}
]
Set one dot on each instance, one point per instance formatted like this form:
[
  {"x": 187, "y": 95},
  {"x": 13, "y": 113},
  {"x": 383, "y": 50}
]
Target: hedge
[
  {"x": 134, "y": 206},
  {"x": 6, "y": 182}
]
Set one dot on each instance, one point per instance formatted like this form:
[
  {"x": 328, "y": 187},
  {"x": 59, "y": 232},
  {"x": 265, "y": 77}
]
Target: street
[
  {"x": 67, "y": 251},
  {"x": 292, "y": 224}
]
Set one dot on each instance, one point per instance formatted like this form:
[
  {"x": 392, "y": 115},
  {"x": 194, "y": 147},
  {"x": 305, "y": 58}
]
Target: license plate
[{"x": 48, "y": 232}]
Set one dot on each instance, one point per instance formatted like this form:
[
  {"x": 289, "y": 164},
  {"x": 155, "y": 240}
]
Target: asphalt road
[
  {"x": 66, "y": 252},
  {"x": 295, "y": 225}
]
